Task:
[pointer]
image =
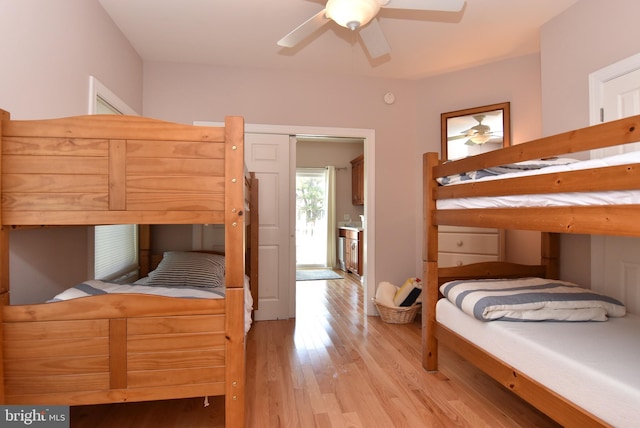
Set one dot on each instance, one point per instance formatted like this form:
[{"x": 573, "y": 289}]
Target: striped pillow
[{"x": 182, "y": 268}]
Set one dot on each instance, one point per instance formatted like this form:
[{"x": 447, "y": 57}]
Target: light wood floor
[{"x": 334, "y": 367}]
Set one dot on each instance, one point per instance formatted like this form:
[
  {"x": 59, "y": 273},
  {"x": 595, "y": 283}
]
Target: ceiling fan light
[
  {"x": 352, "y": 13},
  {"x": 480, "y": 138}
]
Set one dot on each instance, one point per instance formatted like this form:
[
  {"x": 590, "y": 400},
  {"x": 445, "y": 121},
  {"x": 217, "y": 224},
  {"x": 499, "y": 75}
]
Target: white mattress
[
  {"x": 596, "y": 365},
  {"x": 557, "y": 199}
]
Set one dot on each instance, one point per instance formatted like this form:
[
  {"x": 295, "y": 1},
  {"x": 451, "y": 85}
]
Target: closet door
[{"x": 268, "y": 155}]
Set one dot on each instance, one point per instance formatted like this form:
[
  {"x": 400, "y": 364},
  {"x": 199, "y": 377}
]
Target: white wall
[
  {"x": 586, "y": 37},
  {"x": 49, "y": 50}
]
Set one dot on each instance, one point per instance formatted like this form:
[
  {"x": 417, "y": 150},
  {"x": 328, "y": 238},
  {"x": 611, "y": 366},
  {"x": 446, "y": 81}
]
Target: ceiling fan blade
[
  {"x": 437, "y": 5},
  {"x": 374, "y": 39},
  {"x": 304, "y": 30}
]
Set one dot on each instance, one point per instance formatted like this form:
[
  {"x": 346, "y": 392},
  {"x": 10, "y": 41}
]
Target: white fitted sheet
[
  {"x": 596, "y": 365},
  {"x": 625, "y": 197}
]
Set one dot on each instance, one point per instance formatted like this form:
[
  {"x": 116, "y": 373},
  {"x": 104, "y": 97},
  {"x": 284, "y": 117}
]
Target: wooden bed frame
[
  {"x": 607, "y": 220},
  {"x": 92, "y": 170}
]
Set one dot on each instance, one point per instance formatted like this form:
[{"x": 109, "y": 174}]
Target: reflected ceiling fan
[
  {"x": 478, "y": 134},
  {"x": 361, "y": 15}
]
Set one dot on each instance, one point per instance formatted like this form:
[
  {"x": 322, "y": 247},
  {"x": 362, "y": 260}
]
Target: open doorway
[
  {"x": 279, "y": 186},
  {"x": 324, "y": 199}
]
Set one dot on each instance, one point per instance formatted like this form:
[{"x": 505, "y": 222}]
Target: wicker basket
[{"x": 397, "y": 315}]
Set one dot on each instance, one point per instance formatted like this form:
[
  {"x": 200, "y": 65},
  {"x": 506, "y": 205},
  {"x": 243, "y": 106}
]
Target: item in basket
[
  {"x": 385, "y": 293},
  {"x": 409, "y": 293}
]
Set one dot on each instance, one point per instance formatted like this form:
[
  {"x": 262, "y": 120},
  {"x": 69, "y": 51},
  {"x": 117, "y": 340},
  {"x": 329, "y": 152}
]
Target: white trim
[
  {"x": 97, "y": 89},
  {"x": 369, "y": 137},
  {"x": 293, "y": 148}
]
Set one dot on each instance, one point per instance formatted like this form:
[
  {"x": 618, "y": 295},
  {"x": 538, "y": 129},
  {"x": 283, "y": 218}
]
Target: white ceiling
[{"x": 243, "y": 33}]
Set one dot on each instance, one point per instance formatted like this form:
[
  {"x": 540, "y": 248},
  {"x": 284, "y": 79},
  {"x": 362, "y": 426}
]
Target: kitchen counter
[{"x": 350, "y": 248}]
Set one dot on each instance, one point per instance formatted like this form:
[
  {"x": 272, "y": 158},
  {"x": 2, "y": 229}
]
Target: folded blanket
[{"x": 530, "y": 299}]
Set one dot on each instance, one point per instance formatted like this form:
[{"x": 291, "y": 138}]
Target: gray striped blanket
[
  {"x": 512, "y": 168},
  {"x": 95, "y": 287},
  {"x": 530, "y": 299}
]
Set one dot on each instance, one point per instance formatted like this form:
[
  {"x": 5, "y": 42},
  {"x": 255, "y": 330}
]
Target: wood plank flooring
[{"x": 334, "y": 367}]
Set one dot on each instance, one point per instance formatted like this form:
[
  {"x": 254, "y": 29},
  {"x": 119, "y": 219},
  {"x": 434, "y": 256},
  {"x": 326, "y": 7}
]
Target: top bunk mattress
[
  {"x": 618, "y": 197},
  {"x": 593, "y": 364}
]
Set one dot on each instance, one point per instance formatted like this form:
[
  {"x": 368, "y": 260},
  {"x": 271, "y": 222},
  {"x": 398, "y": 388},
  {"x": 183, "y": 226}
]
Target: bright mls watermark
[{"x": 34, "y": 416}]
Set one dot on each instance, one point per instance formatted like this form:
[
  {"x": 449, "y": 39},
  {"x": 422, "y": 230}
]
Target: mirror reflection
[{"x": 476, "y": 130}]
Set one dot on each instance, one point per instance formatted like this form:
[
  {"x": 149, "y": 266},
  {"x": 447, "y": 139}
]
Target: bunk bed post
[
  {"x": 144, "y": 249},
  {"x": 550, "y": 253},
  {"x": 430, "y": 266},
  {"x": 4, "y": 269},
  {"x": 254, "y": 233},
  {"x": 234, "y": 272}
]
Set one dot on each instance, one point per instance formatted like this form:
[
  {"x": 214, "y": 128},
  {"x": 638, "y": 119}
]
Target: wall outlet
[{"x": 347, "y": 217}]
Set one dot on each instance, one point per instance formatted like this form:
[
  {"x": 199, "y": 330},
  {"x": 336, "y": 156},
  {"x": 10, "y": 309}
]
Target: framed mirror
[{"x": 476, "y": 130}]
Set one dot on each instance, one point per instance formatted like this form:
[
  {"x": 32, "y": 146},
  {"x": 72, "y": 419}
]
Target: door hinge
[{"x": 601, "y": 114}]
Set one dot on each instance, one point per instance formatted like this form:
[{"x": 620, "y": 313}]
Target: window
[
  {"x": 103, "y": 107},
  {"x": 100, "y": 97},
  {"x": 311, "y": 217},
  {"x": 116, "y": 252},
  {"x": 115, "y": 247}
]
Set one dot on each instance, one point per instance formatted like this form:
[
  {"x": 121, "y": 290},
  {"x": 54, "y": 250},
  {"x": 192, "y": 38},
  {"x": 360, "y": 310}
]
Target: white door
[
  {"x": 268, "y": 155},
  {"x": 620, "y": 98},
  {"x": 615, "y": 261}
]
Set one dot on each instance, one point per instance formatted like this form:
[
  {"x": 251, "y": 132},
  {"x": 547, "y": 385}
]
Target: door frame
[
  {"x": 598, "y": 78},
  {"x": 369, "y": 137}
]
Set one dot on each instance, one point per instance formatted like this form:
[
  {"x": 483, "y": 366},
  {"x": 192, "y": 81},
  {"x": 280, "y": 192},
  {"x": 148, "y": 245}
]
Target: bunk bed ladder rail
[{"x": 235, "y": 374}]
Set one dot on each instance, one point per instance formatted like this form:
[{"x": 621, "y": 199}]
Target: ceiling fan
[
  {"x": 361, "y": 15},
  {"x": 478, "y": 134}
]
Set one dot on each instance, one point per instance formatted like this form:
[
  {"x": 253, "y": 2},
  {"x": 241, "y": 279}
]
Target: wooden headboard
[{"x": 111, "y": 169}]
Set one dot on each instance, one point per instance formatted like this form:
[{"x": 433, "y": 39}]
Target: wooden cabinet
[
  {"x": 459, "y": 246},
  {"x": 357, "y": 180},
  {"x": 353, "y": 250}
]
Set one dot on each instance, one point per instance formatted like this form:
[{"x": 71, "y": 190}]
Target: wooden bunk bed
[
  {"x": 93, "y": 170},
  {"x": 612, "y": 219}
]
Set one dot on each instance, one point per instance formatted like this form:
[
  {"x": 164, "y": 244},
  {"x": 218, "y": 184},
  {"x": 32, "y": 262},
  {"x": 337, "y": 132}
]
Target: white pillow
[{"x": 385, "y": 293}]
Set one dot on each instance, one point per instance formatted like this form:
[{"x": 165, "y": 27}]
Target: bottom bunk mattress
[
  {"x": 96, "y": 288},
  {"x": 184, "y": 274},
  {"x": 592, "y": 364}
]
